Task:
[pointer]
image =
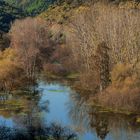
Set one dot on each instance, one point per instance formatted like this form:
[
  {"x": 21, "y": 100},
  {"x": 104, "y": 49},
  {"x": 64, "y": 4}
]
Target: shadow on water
[{"x": 55, "y": 112}]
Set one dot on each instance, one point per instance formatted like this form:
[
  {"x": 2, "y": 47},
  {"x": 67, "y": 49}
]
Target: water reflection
[
  {"x": 54, "y": 111},
  {"x": 52, "y": 132},
  {"x": 28, "y": 121},
  {"x": 107, "y": 126}
]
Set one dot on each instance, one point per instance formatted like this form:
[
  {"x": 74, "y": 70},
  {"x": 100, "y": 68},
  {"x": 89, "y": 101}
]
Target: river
[{"x": 56, "y": 103}]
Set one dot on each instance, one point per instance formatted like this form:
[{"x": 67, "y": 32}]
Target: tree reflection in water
[
  {"x": 30, "y": 122},
  {"x": 52, "y": 132},
  {"x": 88, "y": 118}
]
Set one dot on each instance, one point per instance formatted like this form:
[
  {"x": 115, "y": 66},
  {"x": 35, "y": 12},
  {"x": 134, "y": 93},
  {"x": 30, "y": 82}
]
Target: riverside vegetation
[{"x": 95, "y": 43}]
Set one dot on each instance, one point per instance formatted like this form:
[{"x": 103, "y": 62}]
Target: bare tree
[
  {"x": 28, "y": 37},
  {"x": 118, "y": 28}
]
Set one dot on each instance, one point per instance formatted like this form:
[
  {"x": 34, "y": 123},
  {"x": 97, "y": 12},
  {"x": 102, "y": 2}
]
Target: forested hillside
[
  {"x": 7, "y": 14},
  {"x": 14, "y": 9},
  {"x": 31, "y": 7}
]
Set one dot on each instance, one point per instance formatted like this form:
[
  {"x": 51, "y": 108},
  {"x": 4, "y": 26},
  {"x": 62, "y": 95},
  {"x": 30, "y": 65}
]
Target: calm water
[{"x": 57, "y": 103}]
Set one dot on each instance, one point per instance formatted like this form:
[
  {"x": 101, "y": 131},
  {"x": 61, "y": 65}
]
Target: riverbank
[
  {"x": 58, "y": 102},
  {"x": 124, "y": 103}
]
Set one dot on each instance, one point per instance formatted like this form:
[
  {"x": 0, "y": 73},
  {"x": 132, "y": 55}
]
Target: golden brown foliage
[{"x": 11, "y": 74}]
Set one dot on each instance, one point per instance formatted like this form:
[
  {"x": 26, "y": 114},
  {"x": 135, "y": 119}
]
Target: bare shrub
[{"x": 125, "y": 99}]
